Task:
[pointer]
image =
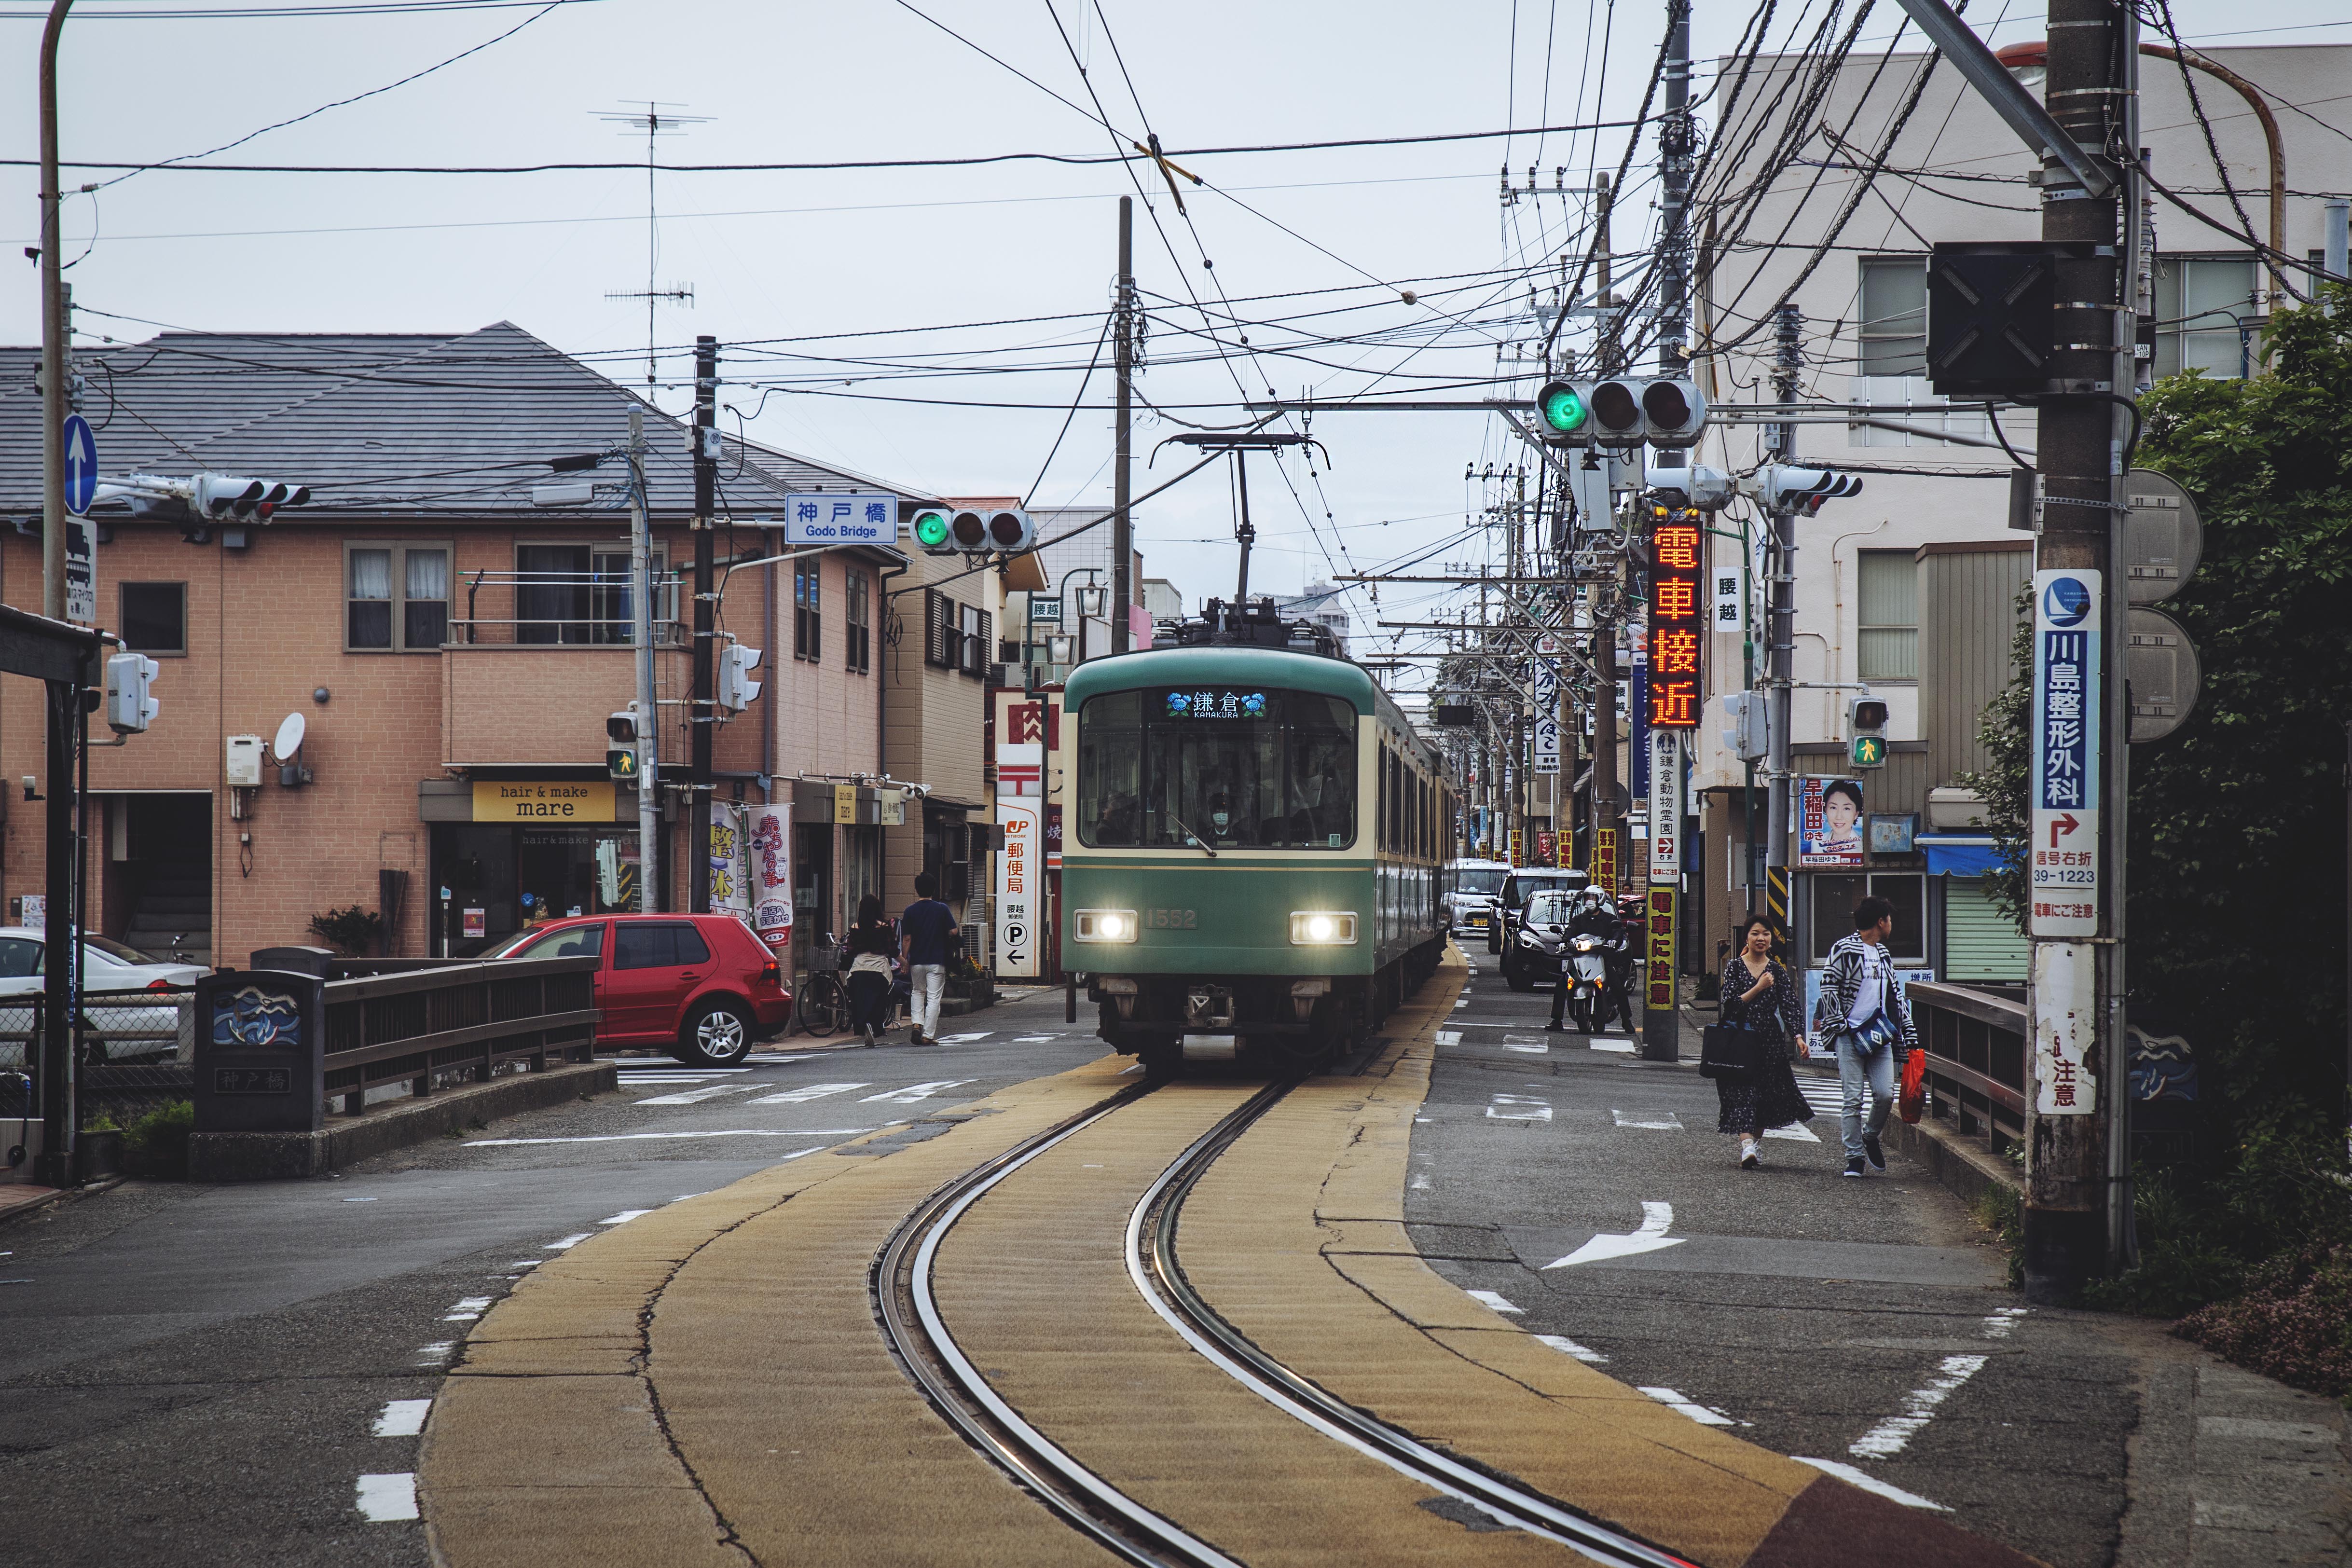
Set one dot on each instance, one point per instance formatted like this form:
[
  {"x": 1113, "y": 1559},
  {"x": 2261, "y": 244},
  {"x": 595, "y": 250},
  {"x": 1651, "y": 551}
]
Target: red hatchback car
[{"x": 702, "y": 985}]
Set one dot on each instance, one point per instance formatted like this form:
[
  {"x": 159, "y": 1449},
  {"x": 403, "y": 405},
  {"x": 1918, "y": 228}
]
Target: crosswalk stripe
[{"x": 803, "y": 1095}]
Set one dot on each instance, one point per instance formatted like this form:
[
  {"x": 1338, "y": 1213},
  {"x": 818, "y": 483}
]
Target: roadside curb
[{"x": 396, "y": 1124}]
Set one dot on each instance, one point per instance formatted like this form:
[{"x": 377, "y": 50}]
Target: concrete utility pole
[
  {"x": 2075, "y": 999},
  {"x": 1780, "y": 667},
  {"x": 705, "y": 709},
  {"x": 641, "y": 593},
  {"x": 1122, "y": 527},
  {"x": 54, "y": 345}
]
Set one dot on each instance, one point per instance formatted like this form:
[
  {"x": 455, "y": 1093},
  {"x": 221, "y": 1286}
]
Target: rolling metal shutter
[{"x": 1979, "y": 942}]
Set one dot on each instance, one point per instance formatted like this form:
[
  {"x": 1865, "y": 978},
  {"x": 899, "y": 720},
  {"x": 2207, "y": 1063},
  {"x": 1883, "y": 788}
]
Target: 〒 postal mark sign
[
  {"x": 840, "y": 517},
  {"x": 2063, "y": 858}
]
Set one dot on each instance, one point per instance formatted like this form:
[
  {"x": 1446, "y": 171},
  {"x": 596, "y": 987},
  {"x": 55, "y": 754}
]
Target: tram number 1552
[{"x": 1172, "y": 920}]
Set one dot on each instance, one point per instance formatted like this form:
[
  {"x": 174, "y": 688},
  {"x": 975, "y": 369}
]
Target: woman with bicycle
[{"x": 873, "y": 947}]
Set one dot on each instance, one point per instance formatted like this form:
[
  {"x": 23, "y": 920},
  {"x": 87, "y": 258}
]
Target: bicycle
[{"x": 824, "y": 1007}]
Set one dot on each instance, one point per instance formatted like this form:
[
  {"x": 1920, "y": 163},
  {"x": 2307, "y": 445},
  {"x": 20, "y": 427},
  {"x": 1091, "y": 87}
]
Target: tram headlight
[
  {"x": 1322, "y": 928},
  {"x": 1105, "y": 925}
]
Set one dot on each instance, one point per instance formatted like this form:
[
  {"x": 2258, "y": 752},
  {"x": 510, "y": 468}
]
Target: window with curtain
[
  {"x": 396, "y": 598},
  {"x": 367, "y": 598},
  {"x": 856, "y": 618},
  {"x": 1893, "y": 324},
  {"x": 808, "y": 622},
  {"x": 1890, "y": 616},
  {"x": 2200, "y": 302},
  {"x": 425, "y": 599}
]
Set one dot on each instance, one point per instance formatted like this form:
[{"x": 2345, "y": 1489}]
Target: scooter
[{"x": 1586, "y": 975}]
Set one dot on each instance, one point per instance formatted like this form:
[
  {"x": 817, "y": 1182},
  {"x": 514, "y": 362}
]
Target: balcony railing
[{"x": 573, "y": 609}]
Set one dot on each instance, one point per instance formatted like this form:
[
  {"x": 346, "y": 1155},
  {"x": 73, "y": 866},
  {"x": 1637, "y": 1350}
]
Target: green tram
[{"x": 1250, "y": 863}]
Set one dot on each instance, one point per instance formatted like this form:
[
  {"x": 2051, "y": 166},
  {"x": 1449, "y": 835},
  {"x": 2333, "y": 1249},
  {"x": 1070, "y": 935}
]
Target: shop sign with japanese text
[
  {"x": 544, "y": 800},
  {"x": 2063, "y": 865},
  {"x": 1018, "y": 893},
  {"x": 1679, "y": 611},
  {"x": 1665, "y": 806}
]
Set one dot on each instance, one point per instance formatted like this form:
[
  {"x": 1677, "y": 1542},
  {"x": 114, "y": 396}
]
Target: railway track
[{"x": 911, "y": 1320}]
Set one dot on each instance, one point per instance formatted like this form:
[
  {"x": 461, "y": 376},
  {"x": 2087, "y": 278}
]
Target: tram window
[{"x": 1278, "y": 775}]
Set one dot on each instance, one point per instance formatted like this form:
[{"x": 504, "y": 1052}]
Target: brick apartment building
[{"x": 453, "y": 642}]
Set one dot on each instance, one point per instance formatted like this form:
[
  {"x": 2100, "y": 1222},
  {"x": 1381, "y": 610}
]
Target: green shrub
[
  {"x": 2293, "y": 1323},
  {"x": 157, "y": 1142},
  {"x": 354, "y": 932}
]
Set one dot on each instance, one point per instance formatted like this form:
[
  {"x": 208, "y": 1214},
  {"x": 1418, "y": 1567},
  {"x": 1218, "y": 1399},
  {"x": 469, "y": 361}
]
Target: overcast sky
[{"x": 779, "y": 260}]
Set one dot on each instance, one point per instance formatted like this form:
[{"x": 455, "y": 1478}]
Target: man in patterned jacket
[{"x": 1863, "y": 1009}]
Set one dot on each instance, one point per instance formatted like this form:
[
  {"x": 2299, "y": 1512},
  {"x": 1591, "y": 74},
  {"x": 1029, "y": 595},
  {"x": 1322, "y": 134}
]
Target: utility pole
[
  {"x": 2077, "y": 994},
  {"x": 1677, "y": 141},
  {"x": 705, "y": 709},
  {"x": 641, "y": 593},
  {"x": 1780, "y": 655},
  {"x": 1123, "y": 528},
  {"x": 54, "y": 348}
]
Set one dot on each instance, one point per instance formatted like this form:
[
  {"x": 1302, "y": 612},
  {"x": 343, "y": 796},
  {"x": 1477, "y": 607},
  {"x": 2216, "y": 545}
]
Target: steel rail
[
  {"x": 958, "y": 1391},
  {"x": 1160, "y": 1277}
]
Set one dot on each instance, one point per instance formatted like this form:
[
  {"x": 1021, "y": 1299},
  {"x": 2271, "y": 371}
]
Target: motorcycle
[{"x": 1586, "y": 975}]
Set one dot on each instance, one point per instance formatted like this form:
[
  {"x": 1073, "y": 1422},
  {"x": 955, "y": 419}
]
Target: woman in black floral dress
[{"x": 1757, "y": 993}]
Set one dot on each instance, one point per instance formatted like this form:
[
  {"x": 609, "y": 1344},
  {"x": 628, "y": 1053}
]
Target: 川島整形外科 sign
[
  {"x": 544, "y": 800},
  {"x": 2063, "y": 861}
]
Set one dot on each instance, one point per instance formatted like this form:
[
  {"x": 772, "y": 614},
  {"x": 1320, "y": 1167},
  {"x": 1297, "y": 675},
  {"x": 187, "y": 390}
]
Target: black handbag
[{"x": 1730, "y": 1050}]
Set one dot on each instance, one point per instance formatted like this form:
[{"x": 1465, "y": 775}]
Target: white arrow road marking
[
  {"x": 696, "y": 1096},
  {"x": 1567, "y": 1346},
  {"x": 809, "y": 1093},
  {"x": 1856, "y": 1476},
  {"x": 1796, "y": 1132},
  {"x": 383, "y": 1499},
  {"x": 1493, "y": 1301},
  {"x": 1657, "y": 1220},
  {"x": 1519, "y": 1107},
  {"x": 1656, "y": 1121},
  {"x": 402, "y": 1417},
  {"x": 1892, "y": 1436},
  {"x": 913, "y": 1091},
  {"x": 1698, "y": 1413}
]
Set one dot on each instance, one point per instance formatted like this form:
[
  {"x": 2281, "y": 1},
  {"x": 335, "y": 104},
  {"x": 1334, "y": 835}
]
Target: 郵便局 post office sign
[{"x": 543, "y": 800}]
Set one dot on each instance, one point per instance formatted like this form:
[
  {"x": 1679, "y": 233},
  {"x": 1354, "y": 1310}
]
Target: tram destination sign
[{"x": 1215, "y": 703}]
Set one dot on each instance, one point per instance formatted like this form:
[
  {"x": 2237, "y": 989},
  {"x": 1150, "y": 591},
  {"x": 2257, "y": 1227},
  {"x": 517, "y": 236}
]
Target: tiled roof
[{"x": 379, "y": 423}]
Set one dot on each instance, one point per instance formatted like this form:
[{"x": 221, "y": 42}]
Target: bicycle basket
[{"x": 824, "y": 959}]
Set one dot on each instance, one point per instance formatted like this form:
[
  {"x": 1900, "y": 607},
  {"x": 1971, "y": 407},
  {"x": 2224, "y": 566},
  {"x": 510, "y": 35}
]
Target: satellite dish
[{"x": 290, "y": 738}]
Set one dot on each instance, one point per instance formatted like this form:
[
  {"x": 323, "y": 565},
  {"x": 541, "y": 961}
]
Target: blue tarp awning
[{"x": 1959, "y": 855}]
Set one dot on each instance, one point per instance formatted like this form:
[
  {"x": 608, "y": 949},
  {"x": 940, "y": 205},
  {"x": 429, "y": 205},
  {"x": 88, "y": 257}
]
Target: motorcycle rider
[{"x": 1594, "y": 917}]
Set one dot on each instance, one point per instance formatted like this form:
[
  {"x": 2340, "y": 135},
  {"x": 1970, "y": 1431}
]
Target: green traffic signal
[
  {"x": 930, "y": 529},
  {"x": 1561, "y": 407},
  {"x": 622, "y": 764},
  {"x": 1869, "y": 750}
]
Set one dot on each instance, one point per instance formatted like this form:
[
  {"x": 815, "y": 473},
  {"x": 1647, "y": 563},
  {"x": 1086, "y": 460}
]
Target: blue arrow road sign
[{"x": 81, "y": 465}]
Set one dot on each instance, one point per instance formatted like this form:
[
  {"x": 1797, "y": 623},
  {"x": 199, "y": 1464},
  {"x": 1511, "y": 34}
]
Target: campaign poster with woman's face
[{"x": 1829, "y": 822}]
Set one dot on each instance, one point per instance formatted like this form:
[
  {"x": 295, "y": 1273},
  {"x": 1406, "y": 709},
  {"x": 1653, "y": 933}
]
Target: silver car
[{"x": 114, "y": 1025}]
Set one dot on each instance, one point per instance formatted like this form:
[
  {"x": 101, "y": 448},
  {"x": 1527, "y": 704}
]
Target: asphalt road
[
  {"x": 196, "y": 1373},
  {"x": 1867, "y": 1323}
]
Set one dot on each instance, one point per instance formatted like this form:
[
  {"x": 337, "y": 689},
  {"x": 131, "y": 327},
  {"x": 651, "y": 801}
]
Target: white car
[{"x": 110, "y": 1028}]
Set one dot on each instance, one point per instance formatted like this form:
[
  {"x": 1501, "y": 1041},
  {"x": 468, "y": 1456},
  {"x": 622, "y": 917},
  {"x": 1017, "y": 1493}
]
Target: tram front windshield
[{"x": 1225, "y": 766}]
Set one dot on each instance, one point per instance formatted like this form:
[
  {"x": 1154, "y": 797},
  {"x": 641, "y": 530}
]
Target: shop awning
[{"x": 1958, "y": 854}]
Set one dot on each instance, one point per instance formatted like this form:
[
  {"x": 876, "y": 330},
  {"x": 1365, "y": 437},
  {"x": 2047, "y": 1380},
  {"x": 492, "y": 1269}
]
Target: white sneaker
[{"x": 1750, "y": 1154}]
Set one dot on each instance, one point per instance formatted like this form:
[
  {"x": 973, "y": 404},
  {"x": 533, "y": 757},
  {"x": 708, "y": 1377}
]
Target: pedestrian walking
[
  {"x": 925, "y": 931},
  {"x": 1863, "y": 1009},
  {"x": 873, "y": 953},
  {"x": 1757, "y": 995}
]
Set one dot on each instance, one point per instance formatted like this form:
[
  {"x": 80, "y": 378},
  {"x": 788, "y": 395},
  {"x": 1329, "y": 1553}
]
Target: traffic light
[
  {"x": 216, "y": 496},
  {"x": 1563, "y": 412},
  {"x": 129, "y": 709},
  {"x": 737, "y": 690},
  {"x": 932, "y": 531},
  {"x": 1865, "y": 721},
  {"x": 1709, "y": 490},
  {"x": 621, "y": 757},
  {"x": 1744, "y": 725},
  {"x": 1011, "y": 530},
  {"x": 1799, "y": 490},
  {"x": 1653, "y": 411}
]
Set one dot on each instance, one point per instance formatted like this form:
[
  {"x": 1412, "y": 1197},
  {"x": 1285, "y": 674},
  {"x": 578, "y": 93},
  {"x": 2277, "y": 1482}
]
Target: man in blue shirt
[{"x": 925, "y": 933}]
